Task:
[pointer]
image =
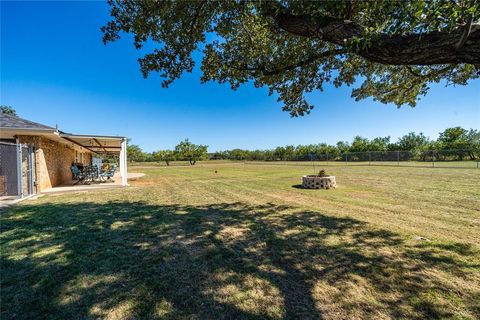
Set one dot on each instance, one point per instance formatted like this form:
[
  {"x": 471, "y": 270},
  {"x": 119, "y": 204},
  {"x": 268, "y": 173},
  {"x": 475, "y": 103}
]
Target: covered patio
[
  {"x": 107, "y": 145},
  {"x": 36, "y": 158}
]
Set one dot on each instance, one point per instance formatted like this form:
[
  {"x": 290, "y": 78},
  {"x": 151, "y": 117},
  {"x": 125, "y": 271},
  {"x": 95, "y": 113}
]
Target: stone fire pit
[{"x": 318, "y": 182}]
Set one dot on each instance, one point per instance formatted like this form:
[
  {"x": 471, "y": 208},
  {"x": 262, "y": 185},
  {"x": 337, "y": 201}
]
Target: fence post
[
  {"x": 433, "y": 158},
  {"x": 369, "y": 157},
  {"x": 346, "y": 159},
  {"x": 19, "y": 170},
  {"x": 327, "y": 158},
  {"x": 398, "y": 158}
]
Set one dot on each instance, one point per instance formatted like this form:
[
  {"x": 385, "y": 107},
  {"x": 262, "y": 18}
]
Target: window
[{"x": 79, "y": 157}]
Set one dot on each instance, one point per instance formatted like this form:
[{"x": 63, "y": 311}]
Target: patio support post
[{"x": 123, "y": 162}]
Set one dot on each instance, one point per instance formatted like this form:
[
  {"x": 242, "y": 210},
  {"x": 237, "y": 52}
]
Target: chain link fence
[
  {"x": 16, "y": 170},
  {"x": 429, "y": 158}
]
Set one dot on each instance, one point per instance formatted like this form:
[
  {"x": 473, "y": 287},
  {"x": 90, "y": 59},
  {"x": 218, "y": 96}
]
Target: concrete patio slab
[
  {"x": 6, "y": 201},
  {"x": 72, "y": 187}
]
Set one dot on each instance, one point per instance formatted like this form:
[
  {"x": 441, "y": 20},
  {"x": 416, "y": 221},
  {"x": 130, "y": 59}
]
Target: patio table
[{"x": 91, "y": 173}]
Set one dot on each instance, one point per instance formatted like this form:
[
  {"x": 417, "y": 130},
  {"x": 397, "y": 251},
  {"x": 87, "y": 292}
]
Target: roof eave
[{"x": 89, "y": 136}]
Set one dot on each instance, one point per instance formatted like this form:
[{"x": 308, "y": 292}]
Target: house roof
[
  {"x": 10, "y": 126},
  {"x": 14, "y": 122}
]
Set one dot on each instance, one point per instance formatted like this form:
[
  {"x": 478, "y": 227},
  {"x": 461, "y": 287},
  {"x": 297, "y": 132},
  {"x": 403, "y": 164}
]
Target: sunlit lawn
[{"x": 246, "y": 242}]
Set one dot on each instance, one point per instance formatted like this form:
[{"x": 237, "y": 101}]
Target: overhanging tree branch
[
  {"x": 466, "y": 33},
  {"x": 436, "y": 47},
  {"x": 275, "y": 70},
  {"x": 397, "y": 48}
]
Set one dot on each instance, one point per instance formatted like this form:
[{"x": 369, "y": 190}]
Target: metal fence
[
  {"x": 429, "y": 158},
  {"x": 16, "y": 170}
]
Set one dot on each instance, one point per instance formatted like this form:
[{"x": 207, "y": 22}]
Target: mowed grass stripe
[
  {"x": 408, "y": 212},
  {"x": 244, "y": 243}
]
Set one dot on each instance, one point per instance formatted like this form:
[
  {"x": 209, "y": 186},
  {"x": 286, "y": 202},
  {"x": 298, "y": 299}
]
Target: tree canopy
[
  {"x": 163, "y": 155},
  {"x": 135, "y": 153},
  {"x": 186, "y": 150},
  {"x": 394, "y": 48},
  {"x": 8, "y": 110}
]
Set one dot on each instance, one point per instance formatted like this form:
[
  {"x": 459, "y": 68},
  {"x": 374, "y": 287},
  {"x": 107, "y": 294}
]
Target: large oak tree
[{"x": 393, "y": 48}]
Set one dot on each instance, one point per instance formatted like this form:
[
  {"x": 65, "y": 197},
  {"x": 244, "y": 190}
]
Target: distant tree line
[
  {"x": 184, "y": 151},
  {"x": 418, "y": 146},
  {"x": 449, "y": 142}
]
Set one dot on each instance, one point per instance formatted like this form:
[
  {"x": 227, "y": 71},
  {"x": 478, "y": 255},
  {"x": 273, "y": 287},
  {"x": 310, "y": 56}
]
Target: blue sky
[{"x": 56, "y": 70}]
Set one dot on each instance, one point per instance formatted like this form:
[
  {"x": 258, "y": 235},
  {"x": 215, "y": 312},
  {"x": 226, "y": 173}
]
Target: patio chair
[
  {"x": 77, "y": 174},
  {"x": 91, "y": 174},
  {"x": 108, "y": 173}
]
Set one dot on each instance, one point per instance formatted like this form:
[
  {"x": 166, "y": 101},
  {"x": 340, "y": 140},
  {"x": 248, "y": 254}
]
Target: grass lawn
[{"x": 247, "y": 243}]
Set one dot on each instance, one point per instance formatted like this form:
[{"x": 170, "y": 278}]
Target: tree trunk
[
  {"x": 192, "y": 162},
  {"x": 471, "y": 155},
  {"x": 436, "y": 47}
]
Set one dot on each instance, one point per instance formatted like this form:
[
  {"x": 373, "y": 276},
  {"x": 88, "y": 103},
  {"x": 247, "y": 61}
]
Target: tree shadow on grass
[{"x": 221, "y": 261}]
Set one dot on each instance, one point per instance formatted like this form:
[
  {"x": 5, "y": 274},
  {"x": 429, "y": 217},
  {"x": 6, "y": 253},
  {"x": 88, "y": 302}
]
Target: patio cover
[{"x": 102, "y": 144}]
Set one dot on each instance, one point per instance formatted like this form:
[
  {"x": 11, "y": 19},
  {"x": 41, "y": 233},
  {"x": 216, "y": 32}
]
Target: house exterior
[{"x": 53, "y": 151}]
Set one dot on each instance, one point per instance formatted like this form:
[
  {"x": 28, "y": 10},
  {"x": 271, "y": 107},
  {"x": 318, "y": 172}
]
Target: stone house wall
[
  {"x": 25, "y": 178},
  {"x": 88, "y": 158},
  {"x": 52, "y": 161}
]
